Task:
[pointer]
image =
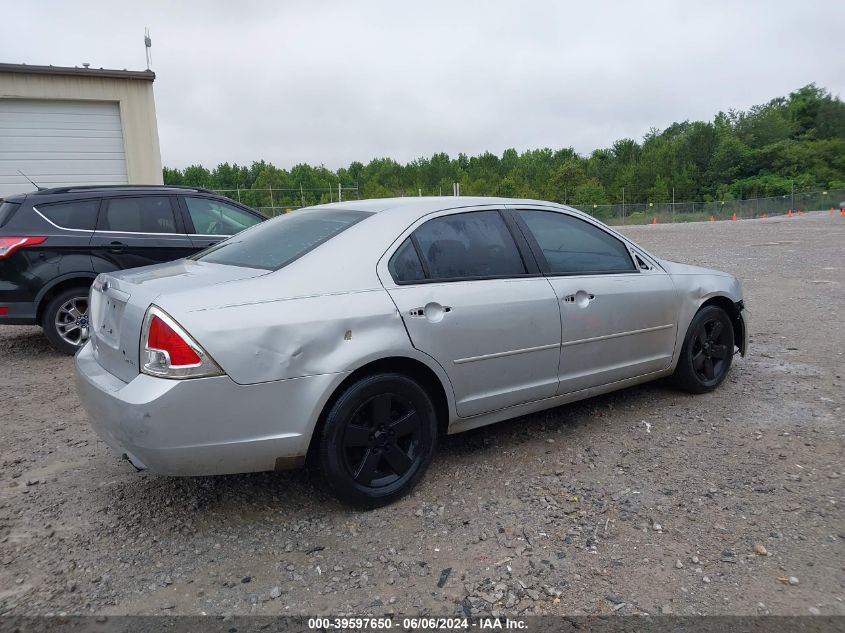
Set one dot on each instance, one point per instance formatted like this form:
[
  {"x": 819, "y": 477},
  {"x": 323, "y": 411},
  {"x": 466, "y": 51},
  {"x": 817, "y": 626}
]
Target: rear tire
[
  {"x": 64, "y": 318},
  {"x": 707, "y": 352},
  {"x": 377, "y": 441}
]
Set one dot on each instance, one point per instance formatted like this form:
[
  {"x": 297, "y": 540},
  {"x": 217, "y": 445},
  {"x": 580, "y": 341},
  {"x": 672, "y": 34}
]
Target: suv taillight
[
  {"x": 9, "y": 245},
  {"x": 168, "y": 351}
]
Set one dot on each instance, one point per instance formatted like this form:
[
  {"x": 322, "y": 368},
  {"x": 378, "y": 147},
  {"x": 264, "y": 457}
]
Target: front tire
[
  {"x": 65, "y": 320},
  {"x": 377, "y": 441},
  {"x": 707, "y": 352}
]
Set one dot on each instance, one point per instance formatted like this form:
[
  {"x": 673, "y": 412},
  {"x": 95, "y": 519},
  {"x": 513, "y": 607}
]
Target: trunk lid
[{"x": 120, "y": 300}]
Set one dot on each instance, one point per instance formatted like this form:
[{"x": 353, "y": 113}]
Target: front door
[
  {"x": 209, "y": 221},
  {"x": 618, "y": 320},
  {"x": 469, "y": 300}
]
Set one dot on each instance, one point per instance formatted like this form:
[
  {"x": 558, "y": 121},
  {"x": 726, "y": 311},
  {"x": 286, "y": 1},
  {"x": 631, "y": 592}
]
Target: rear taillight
[
  {"x": 9, "y": 245},
  {"x": 168, "y": 351}
]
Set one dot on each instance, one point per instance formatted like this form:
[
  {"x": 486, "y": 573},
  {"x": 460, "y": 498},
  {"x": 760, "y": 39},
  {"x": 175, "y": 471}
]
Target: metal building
[{"x": 66, "y": 126}]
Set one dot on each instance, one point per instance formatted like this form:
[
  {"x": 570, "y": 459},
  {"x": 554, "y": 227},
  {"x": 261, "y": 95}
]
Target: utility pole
[
  {"x": 339, "y": 194},
  {"x": 673, "y": 202}
]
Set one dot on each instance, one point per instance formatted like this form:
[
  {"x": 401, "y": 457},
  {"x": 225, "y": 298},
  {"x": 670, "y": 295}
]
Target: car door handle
[
  {"x": 117, "y": 247},
  {"x": 431, "y": 311},
  {"x": 580, "y": 298}
]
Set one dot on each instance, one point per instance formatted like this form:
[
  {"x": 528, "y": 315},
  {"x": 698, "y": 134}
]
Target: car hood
[{"x": 675, "y": 268}]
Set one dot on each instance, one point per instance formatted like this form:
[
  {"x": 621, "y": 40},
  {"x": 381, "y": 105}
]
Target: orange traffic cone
[
  {"x": 789, "y": 213},
  {"x": 733, "y": 217},
  {"x": 712, "y": 219},
  {"x": 654, "y": 220}
]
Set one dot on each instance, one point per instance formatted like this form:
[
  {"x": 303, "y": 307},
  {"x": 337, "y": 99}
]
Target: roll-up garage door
[{"x": 60, "y": 143}]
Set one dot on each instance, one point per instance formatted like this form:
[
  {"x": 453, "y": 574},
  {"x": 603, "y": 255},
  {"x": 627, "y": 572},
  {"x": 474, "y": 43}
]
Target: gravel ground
[{"x": 646, "y": 500}]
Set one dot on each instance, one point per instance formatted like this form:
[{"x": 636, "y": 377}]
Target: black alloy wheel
[
  {"x": 708, "y": 351},
  {"x": 377, "y": 440},
  {"x": 381, "y": 442}
]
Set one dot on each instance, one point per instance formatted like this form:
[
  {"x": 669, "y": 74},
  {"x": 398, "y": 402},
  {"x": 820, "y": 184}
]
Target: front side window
[
  {"x": 572, "y": 246},
  {"x": 275, "y": 243},
  {"x": 76, "y": 214},
  {"x": 213, "y": 217},
  {"x": 469, "y": 245},
  {"x": 148, "y": 214}
]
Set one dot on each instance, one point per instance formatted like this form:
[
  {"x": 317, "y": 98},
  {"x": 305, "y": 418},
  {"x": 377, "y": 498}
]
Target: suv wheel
[
  {"x": 65, "y": 320},
  {"x": 377, "y": 441}
]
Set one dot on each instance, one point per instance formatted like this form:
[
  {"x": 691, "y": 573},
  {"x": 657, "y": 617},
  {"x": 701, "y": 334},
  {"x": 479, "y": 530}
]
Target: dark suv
[{"x": 54, "y": 242}]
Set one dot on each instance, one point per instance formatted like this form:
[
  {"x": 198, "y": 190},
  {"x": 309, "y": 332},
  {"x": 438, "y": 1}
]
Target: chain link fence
[
  {"x": 272, "y": 202},
  {"x": 647, "y": 213}
]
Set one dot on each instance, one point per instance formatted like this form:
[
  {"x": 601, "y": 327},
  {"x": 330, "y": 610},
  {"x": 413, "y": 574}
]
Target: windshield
[{"x": 274, "y": 244}]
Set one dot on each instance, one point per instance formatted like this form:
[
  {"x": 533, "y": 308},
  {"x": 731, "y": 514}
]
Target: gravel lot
[{"x": 646, "y": 500}]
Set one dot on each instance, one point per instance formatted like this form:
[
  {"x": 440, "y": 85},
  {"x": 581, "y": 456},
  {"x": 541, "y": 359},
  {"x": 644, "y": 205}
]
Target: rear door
[
  {"x": 72, "y": 224},
  {"x": 618, "y": 314},
  {"x": 137, "y": 231},
  {"x": 475, "y": 302},
  {"x": 209, "y": 220}
]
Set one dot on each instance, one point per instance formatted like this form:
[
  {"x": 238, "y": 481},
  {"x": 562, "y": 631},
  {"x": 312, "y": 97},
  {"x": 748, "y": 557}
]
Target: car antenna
[{"x": 30, "y": 181}]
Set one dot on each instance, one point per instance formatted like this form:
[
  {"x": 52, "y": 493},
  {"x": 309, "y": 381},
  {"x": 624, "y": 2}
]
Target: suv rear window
[
  {"x": 6, "y": 211},
  {"x": 274, "y": 244},
  {"x": 75, "y": 214}
]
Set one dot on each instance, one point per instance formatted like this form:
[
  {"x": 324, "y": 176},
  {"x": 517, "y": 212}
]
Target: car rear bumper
[
  {"x": 205, "y": 426},
  {"x": 19, "y": 313}
]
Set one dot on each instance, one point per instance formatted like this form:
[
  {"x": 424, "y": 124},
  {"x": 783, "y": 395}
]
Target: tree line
[{"x": 796, "y": 141}]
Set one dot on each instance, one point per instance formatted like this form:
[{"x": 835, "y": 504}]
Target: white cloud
[{"x": 335, "y": 82}]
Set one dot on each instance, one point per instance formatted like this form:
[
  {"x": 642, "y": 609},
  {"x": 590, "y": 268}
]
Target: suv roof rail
[{"x": 80, "y": 188}]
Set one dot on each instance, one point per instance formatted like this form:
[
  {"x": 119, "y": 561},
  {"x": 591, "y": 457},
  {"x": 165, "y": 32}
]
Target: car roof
[
  {"x": 116, "y": 188},
  {"x": 427, "y": 204},
  {"x": 75, "y": 192},
  {"x": 412, "y": 208},
  {"x": 399, "y": 213}
]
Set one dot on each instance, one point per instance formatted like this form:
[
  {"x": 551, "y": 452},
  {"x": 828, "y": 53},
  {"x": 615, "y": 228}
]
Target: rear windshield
[
  {"x": 6, "y": 210},
  {"x": 274, "y": 244}
]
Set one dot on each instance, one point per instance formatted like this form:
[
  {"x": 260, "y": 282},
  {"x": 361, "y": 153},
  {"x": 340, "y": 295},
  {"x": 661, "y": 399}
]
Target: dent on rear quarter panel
[{"x": 296, "y": 337}]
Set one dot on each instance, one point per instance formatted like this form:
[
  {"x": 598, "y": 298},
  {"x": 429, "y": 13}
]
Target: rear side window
[
  {"x": 80, "y": 215},
  {"x": 212, "y": 217},
  {"x": 6, "y": 211},
  {"x": 405, "y": 265},
  {"x": 572, "y": 246},
  {"x": 148, "y": 214},
  {"x": 275, "y": 243},
  {"x": 469, "y": 245}
]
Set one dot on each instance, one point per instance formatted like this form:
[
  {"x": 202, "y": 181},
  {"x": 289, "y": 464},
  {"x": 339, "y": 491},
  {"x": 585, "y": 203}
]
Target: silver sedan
[{"x": 351, "y": 336}]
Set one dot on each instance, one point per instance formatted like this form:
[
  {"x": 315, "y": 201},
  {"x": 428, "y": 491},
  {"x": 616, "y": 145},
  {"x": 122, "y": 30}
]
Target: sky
[{"x": 332, "y": 82}]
